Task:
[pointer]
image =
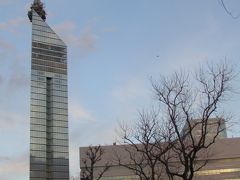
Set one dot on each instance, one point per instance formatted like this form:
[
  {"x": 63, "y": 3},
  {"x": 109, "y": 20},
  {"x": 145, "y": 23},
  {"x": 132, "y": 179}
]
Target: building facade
[
  {"x": 49, "y": 154},
  {"x": 223, "y": 162},
  {"x": 215, "y": 126}
]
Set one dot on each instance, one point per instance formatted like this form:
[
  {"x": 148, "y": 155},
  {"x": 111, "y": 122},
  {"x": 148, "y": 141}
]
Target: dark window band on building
[
  {"x": 49, "y": 69},
  {"x": 49, "y": 63},
  {"x": 47, "y": 52},
  {"x": 48, "y": 47},
  {"x": 48, "y": 58}
]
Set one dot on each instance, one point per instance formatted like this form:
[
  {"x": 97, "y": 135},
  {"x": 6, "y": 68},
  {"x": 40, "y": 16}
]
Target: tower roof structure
[{"x": 37, "y": 6}]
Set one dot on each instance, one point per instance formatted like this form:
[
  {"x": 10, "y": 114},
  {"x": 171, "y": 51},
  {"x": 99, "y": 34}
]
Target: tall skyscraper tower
[{"x": 49, "y": 157}]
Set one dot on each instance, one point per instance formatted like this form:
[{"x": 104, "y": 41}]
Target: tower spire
[
  {"x": 37, "y": 6},
  {"x": 36, "y": 1}
]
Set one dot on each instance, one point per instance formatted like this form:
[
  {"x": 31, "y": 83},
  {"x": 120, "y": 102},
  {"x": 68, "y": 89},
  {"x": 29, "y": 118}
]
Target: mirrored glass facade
[{"x": 49, "y": 157}]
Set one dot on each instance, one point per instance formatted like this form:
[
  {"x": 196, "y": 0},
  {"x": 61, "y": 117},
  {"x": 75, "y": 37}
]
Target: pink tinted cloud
[
  {"x": 14, "y": 166},
  {"x": 85, "y": 41},
  {"x": 12, "y": 25}
]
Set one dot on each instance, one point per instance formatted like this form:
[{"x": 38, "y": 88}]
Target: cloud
[
  {"x": 14, "y": 68},
  {"x": 18, "y": 77},
  {"x": 85, "y": 41},
  {"x": 9, "y": 119},
  {"x": 82, "y": 135},
  {"x": 14, "y": 166},
  {"x": 5, "y": 45},
  {"x": 79, "y": 119},
  {"x": 79, "y": 113},
  {"x": 131, "y": 89},
  {"x": 13, "y": 24},
  {"x": 6, "y": 48},
  {"x": 85, "y": 137},
  {"x": 82, "y": 124},
  {"x": 4, "y": 158},
  {"x": 67, "y": 26}
]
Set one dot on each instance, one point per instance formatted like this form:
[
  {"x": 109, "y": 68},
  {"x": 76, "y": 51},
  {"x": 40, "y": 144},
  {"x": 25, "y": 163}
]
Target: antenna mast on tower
[{"x": 37, "y": 6}]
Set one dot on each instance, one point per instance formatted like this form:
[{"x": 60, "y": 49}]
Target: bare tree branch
[
  {"x": 92, "y": 156},
  {"x": 177, "y": 96},
  {"x": 222, "y": 3},
  {"x": 176, "y": 140},
  {"x": 141, "y": 143}
]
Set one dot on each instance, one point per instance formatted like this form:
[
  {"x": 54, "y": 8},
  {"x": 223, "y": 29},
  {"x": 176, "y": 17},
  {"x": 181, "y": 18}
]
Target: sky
[{"x": 114, "y": 47}]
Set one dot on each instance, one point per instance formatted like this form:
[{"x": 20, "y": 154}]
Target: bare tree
[
  {"x": 141, "y": 154},
  {"x": 92, "y": 156},
  {"x": 177, "y": 139},
  {"x": 189, "y": 110}
]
